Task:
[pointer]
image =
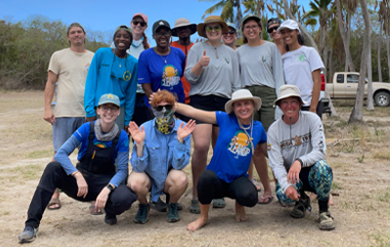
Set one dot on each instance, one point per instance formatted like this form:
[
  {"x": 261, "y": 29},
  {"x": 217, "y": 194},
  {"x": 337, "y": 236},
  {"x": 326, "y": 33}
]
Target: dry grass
[{"x": 361, "y": 210}]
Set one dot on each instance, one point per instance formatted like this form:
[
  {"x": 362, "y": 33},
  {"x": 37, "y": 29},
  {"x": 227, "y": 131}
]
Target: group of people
[{"x": 253, "y": 102}]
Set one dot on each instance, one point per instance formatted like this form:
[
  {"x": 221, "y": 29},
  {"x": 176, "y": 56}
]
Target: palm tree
[{"x": 227, "y": 13}]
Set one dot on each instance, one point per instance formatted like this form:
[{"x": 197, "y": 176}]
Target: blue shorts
[{"x": 63, "y": 128}]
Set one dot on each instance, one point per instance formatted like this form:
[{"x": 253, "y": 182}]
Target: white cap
[{"x": 289, "y": 24}]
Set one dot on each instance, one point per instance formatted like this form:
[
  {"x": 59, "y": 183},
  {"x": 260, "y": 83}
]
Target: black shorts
[{"x": 208, "y": 103}]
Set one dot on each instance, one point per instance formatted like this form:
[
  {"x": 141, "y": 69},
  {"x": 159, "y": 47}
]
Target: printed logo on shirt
[
  {"x": 264, "y": 59},
  {"x": 227, "y": 60},
  {"x": 87, "y": 66},
  {"x": 170, "y": 77},
  {"x": 240, "y": 144},
  {"x": 105, "y": 65},
  {"x": 269, "y": 145},
  {"x": 100, "y": 144},
  {"x": 126, "y": 75},
  {"x": 296, "y": 141},
  {"x": 301, "y": 58}
]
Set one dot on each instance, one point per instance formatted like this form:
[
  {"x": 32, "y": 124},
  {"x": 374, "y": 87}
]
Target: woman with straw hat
[
  {"x": 226, "y": 175},
  {"x": 296, "y": 149},
  {"x": 213, "y": 72}
]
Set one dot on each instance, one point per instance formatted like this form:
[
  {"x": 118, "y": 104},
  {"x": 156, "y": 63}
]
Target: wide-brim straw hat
[
  {"x": 287, "y": 91},
  {"x": 242, "y": 94},
  {"x": 183, "y": 22},
  {"x": 208, "y": 20}
]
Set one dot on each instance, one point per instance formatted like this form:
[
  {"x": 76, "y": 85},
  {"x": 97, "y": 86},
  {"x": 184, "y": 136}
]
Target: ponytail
[{"x": 145, "y": 41}]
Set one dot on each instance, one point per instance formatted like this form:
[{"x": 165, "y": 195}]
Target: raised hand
[
  {"x": 152, "y": 95},
  {"x": 137, "y": 134},
  {"x": 204, "y": 60},
  {"x": 183, "y": 132}
]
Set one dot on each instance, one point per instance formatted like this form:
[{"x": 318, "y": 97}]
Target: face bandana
[{"x": 164, "y": 120}]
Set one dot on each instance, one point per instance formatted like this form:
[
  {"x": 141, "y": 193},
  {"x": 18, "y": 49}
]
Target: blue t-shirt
[
  {"x": 233, "y": 151},
  {"x": 162, "y": 75}
]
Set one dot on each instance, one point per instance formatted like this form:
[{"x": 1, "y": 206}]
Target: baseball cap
[
  {"x": 289, "y": 24},
  {"x": 109, "y": 98},
  {"x": 160, "y": 23}
]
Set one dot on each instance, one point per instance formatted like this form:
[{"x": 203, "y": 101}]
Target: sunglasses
[
  {"x": 166, "y": 34},
  {"x": 139, "y": 22},
  {"x": 230, "y": 32},
  {"x": 271, "y": 29},
  {"x": 210, "y": 29},
  {"x": 161, "y": 107}
]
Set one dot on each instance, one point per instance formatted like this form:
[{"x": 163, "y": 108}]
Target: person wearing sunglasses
[
  {"x": 272, "y": 29},
  {"x": 162, "y": 66},
  {"x": 213, "y": 72},
  {"x": 262, "y": 74},
  {"x": 226, "y": 174},
  {"x": 95, "y": 177},
  {"x": 162, "y": 149},
  {"x": 183, "y": 30},
  {"x": 113, "y": 70},
  {"x": 229, "y": 38},
  {"x": 296, "y": 150}
]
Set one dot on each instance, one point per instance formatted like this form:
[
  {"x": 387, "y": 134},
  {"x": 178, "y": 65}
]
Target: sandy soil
[{"x": 358, "y": 154}]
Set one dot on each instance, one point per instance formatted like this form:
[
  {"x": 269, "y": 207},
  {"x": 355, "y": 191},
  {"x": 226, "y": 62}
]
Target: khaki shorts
[{"x": 266, "y": 114}]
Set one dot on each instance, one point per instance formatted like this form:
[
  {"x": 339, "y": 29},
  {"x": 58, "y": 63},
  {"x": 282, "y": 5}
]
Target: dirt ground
[{"x": 359, "y": 156}]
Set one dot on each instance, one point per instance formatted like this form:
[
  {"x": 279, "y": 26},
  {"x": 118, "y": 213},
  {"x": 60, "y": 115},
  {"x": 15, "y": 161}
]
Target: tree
[
  {"x": 227, "y": 13},
  {"x": 357, "y": 111}
]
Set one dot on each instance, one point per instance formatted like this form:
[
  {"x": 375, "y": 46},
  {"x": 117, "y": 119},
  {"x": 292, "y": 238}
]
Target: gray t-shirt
[
  {"x": 261, "y": 66},
  {"x": 305, "y": 140},
  {"x": 220, "y": 77}
]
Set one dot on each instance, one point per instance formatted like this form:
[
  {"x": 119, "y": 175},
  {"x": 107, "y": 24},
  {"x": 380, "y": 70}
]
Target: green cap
[
  {"x": 125, "y": 28},
  {"x": 250, "y": 16},
  {"x": 109, "y": 98}
]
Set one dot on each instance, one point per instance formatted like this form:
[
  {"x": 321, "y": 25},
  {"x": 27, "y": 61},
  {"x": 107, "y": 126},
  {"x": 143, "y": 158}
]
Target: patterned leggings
[{"x": 317, "y": 178}]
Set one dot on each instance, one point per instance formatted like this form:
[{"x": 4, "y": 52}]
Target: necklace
[
  {"x": 249, "y": 136},
  {"x": 165, "y": 60},
  {"x": 215, "y": 48}
]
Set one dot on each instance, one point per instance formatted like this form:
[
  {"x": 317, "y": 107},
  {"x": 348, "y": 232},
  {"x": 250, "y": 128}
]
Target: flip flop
[
  {"x": 266, "y": 199},
  {"x": 256, "y": 184},
  {"x": 54, "y": 201}
]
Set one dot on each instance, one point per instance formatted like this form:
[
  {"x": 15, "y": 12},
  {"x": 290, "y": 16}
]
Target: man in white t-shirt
[{"x": 69, "y": 67}]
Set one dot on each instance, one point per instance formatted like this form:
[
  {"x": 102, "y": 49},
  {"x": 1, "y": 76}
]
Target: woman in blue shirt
[
  {"x": 95, "y": 177},
  {"x": 162, "y": 66},
  {"x": 226, "y": 175},
  {"x": 114, "y": 71},
  {"x": 162, "y": 149}
]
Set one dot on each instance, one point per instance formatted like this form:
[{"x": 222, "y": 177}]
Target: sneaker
[
  {"x": 173, "y": 214},
  {"x": 298, "y": 210},
  {"x": 28, "y": 235},
  {"x": 142, "y": 214},
  {"x": 110, "y": 219},
  {"x": 326, "y": 222}
]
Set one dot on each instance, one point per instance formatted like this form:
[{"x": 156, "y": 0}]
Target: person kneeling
[
  {"x": 162, "y": 149},
  {"x": 296, "y": 150},
  {"x": 94, "y": 178},
  {"x": 226, "y": 175}
]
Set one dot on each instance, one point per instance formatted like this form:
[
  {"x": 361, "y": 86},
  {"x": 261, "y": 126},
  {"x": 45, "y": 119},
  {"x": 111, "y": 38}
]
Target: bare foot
[
  {"x": 330, "y": 202},
  {"x": 240, "y": 213},
  {"x": 197, "y": 224}
]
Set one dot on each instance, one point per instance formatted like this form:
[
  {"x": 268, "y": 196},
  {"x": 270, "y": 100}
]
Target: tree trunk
[
  {"x": 370, "y": 100},
  {"x": 344, "y": 37},
  {"x": 357, "y": 111},
  {"x": 302, "y": 28},
  {"x": 239, "y": 14},
  {"x": 379, "y": 52},
  {"x": 333, "y": 110},
  {"x": 387, "y": 47}
]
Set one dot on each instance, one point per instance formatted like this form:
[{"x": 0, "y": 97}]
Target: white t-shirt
[
  {"x": 72, "y": 69},
  {"x": 298, "y": 66}
]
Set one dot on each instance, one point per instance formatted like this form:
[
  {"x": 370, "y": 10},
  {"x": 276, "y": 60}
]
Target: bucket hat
[
  {"x": 183, "y": 22},
  {"x": 211, "y": 19},
  {"x": 242, "y": 94},
  {"x": 287, "y": 91}
]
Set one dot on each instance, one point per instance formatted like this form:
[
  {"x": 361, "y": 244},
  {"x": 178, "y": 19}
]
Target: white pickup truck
[{"x": 344, "y": 86}]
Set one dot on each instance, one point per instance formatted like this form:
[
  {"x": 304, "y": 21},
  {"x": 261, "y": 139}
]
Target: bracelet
[
  {"x": 300, "y": 161},
  {"x": 75, "y": 173}
]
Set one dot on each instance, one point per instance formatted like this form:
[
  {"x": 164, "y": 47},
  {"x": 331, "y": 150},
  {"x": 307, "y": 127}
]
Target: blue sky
[{"x": 105, "y": 16}]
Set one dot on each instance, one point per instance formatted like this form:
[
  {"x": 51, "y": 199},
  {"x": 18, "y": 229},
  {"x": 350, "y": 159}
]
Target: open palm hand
[
  {"x": 137, "y": 134},
  {"x": 183, "y": 132}
]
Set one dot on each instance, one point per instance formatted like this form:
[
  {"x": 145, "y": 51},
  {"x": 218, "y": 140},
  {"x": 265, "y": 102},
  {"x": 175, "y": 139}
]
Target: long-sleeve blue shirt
[
  {"x": 109, "y": 73},
  {"x": 161, "y": 153},
  {"x": 81, "y": 137}
]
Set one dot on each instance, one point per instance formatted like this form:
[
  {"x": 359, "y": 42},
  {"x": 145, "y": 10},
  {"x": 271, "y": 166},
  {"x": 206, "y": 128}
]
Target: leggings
[
  {"x": 317, "y": 178},
  {"x": 211, "y": 187},
  {"x": 54, "y": 177}
]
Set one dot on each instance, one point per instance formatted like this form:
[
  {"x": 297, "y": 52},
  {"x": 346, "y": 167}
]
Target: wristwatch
[{"x": 110, "y": 187}]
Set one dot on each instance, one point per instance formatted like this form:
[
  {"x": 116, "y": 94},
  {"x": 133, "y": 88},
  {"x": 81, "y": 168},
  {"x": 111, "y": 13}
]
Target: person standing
[
  {"x": 68, "y": 68},
  {"x": 229, "y": 38},
  {"x": 213, "y": 71},
  {"x": 113, "y": 71},
  {"x": 184, "y": 29},
  {"x": 272, "y": 29},
  {"x": 262, "y": 74}
]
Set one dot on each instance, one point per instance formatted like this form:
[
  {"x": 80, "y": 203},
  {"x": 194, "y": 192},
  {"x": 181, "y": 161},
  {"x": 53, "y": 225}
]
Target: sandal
[
  {"x": 265, "y": 199},
  {"x": 219, "y": 203},
  {"x": 256, "y": 184},
  {"x": 195, "y": 208},
  {"x": 54, "y": 201}
]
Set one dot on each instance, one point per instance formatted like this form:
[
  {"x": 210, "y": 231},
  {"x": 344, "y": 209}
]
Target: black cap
[
  {"x": 160, "y": 23},
  {"x": 273, "y": 21}
]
